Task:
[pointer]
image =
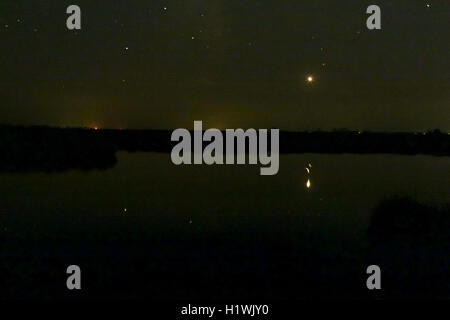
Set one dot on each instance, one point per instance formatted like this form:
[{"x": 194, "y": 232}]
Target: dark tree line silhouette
[{"x": 56, "y": 149}]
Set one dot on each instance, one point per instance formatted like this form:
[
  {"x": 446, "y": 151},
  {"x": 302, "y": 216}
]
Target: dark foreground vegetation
[
  {"x": 411, "y": 243},
  {"x": 55, "y": 149},
  {"x": 149, "y": 256}
]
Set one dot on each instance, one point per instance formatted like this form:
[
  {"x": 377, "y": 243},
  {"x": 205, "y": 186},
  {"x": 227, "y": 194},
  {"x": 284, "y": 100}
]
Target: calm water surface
[{"x": 146, "y": 206}]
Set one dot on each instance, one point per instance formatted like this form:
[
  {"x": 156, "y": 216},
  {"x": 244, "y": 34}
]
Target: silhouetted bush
[{"x": 410, "y": 241}]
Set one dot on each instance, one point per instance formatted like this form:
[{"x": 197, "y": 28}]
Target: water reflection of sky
[{"x": 335, "y": 196}]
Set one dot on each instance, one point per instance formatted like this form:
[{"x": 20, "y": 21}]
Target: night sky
[{"x": 163, "y": 64}]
